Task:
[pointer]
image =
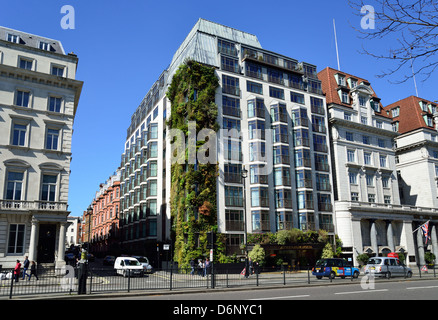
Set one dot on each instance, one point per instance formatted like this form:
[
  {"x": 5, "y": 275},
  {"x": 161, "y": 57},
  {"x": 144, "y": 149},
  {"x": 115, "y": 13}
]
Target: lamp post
[{"x": 244, "y": 176}]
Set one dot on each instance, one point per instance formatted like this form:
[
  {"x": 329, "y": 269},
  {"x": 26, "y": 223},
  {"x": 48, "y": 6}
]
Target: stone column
[
  {"x": 61, "y": 245},
  {"x": 390, "y": 236},
  {"x": 373, "y": 237},
  {"x": 434, "y": 240},
  {"x": 420, "y": 247},
  {"x": 33, "y": 240}
]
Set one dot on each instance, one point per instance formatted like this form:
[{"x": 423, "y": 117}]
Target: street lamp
[{"x": 244, "y": 176}]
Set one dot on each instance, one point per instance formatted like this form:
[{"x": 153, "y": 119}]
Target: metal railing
[{"x": 72, "y": 280}]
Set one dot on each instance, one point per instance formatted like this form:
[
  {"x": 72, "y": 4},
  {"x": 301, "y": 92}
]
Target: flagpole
[
  {"x": 421, "y": 226},
  {"x": 336, "y": 42}
]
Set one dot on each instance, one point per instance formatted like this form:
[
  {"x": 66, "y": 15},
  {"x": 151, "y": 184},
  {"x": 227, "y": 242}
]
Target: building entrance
[{"x": 46, "y": 243}]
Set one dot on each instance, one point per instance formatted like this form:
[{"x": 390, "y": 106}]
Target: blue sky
[{"x": 123, "y": 46}]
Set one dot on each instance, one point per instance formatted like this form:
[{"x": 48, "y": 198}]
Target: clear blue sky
[{"x": 123, "y": 46}]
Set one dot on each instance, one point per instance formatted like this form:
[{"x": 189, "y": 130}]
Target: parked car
[
  {"x": 128, "y": 266},
  {"x": 109, "y": 261},
  {"x": 144, "y": 261},
  {"x": 334, "y": 267},
  {"x": 387, "y": 267}
]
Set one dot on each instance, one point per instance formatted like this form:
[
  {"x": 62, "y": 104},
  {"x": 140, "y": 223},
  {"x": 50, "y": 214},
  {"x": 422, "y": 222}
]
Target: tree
[
  {"x": 414, "y": 25},
  {"x": 257, "y": 254},
  {"x": 327, "y": 252}
]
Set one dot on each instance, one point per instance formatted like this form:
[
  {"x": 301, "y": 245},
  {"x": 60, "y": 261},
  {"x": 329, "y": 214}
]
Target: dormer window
[
  {"x": 13, "y": 38},
  {"x": 395, "y": 112},
  {"x": 423, "y": 106},
  {"x": 44, "y": 46}
]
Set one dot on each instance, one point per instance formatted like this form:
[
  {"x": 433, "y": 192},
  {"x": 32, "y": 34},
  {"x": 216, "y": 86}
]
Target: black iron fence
[{"x": 86, "y": 280}]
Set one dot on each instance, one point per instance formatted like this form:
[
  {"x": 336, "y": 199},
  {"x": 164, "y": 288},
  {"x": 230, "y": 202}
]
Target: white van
[{"x": 128, "y": 266}]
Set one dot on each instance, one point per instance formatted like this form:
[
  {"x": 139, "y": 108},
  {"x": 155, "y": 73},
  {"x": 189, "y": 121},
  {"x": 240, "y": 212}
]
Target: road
[{"x": 394, "y": 290}]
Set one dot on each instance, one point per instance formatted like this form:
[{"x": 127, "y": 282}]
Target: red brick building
[{"x": 105, "y": 217}]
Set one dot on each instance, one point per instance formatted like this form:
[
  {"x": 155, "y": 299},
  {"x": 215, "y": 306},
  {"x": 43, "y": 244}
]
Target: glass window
[
  {"x": 48, "y": 190},
  {"x": 304, "y": 178},
  {"x": 349, "y": 136},
  {"x": 52, "y": 139},
  {"x": 276, "y": 93},
  {"x": 14, "y": 185},
  {"x": 19, "y": 134},
  {"x": 16, "y": 238},
  {"x": 55, "y": 104},
  {"x": 351, "y": 157},
  {"x": 26, "y": 64},
  {"x": 367, "y": 158},
  {"x": 297, "y": 97},
  {"x": 352, "y": 177},
  {"x": 58, "y": 71},
  {"x": 22, "y": 98}
]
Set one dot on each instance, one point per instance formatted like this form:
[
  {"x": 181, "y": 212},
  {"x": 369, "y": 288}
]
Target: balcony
[{"x": 21, "y": 205}]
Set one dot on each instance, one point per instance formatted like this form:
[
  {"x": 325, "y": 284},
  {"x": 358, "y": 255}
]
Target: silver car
[{"x": 387, "y": 267}]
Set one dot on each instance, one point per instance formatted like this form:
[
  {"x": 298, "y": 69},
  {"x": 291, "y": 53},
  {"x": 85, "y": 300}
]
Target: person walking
[
  {"x": 33, "y": 270},
  {"x": 17, "y": 270},
  {"x": 192, "y": 265},
  {"x": 206, "y": 267},
  {"x": 26, "y": 264}
]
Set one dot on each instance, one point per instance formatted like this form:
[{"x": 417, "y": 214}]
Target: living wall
[{"x": 193, "y": 187}]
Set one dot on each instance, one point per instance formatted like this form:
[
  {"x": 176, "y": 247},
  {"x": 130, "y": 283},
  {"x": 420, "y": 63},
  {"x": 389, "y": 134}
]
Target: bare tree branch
[{"x": 414, "y": 26}]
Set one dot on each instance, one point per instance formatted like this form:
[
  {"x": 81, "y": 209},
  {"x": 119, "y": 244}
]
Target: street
[{"x": 393, "y": 290}]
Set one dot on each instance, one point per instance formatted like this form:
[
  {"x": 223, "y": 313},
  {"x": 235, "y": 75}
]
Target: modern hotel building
[{"x": 278, "y": 106}]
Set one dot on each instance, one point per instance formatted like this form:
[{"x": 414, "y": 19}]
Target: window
[
  {"x": 230, "y": 106},
  {"x": 226, "y": 47},
  {"x": 345, "y": 97},
  {"x": 13, "y": 38},
  {"x": 379, "y": 124},
  {"x": 370, "y": 180},
  {"x": 354, "y": 196},
  {"x": 362, "y": 101},
  {"x": 234, "y": 220},
  {"x": 280, "y": 133},
  {"x": 387, "y": 199},
  {"x": 230, "y": 85},
  {"x": 299, "y": 117},
  {"x": 367, "y": 158},
  {"x": 371, "y": 198},
  {"x": 26, "y": 64},
  {"x": 347, "y": 116},
  {"x": 52, "y": 139},
  {"x": 152, "y": 169},
  {"x": 276, "y": 93},
  {"x": 352, "y": 177},
  {"x": 257, "y": 151},
  {"x": 364, "y": 120},
  {"x": 233, "y": 196},
  {"x": 317, "y": 105},
  {"x": 279, "y": 113},
  {"x": 395, "y": 112},
  {"x": 297, "y": 97},
  {"x": 229, "y": 64},
  {"x": 305, "y": 200},
  {"x": 349, "y": 136},
  {"x": 19, "y": 135},
  {"x": 385, "y": 182},
  {"x": 44, "y": 46},
  {"x": 383, "y": 161},
  {"x": 48, "y": 189},
  {"x": 259, "y": 197},
  {"x": 55, "y": 104},
  {"x": 256, "y": 129},
  {"x": 341, "y": 80},
  {"x": 351, "y": 156},
  {"x": 155, "y": 113},
  {"x": 260, "y": 220},
  {"x": 254, "y": 71},
  {"x": 233, "y": 173},
  {"x": 152, "y": 188},
  {"x": 256, "y": 108},
  {"x": 302, "y": 158},
  {"x": 16, "y": 239},
  {"x": 304, "y": 178},
  {"x": 365, "y": 140},
  {"x": 22, "y": 98},
  {"x": 381, "y": 143},
  {"x": 283, "y": 198},
  {"x": 281, "y": 154},
  {"x": 14, "y": 185},
  {"x": 282, "y": 176},
  {"x": 57, "y": 71}
]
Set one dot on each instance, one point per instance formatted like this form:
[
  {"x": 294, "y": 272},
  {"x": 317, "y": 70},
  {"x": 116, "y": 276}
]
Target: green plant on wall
[{"x": 193, "y": 187}]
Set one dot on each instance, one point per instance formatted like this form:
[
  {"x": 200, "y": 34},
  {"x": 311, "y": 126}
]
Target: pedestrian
[
  {"x": 33, "y": 270},
  {"x": 17, "y": 270},
  {"x": 206, "y": 267},
  {"x": 200, "y": 267},
  {"x": 251, "y": 268},
  {"x": 192, "y": 265},
  {"x": 25, "y": 267}
]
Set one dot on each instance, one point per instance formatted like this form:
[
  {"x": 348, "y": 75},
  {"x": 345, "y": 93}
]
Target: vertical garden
[{"x": 193, "y": 186}]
